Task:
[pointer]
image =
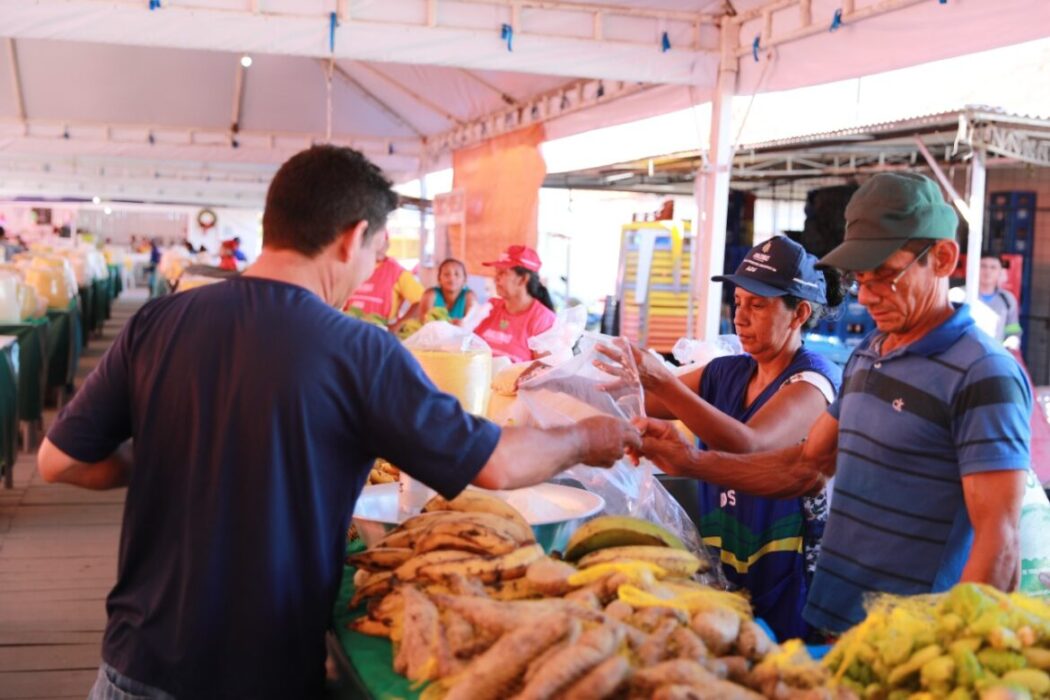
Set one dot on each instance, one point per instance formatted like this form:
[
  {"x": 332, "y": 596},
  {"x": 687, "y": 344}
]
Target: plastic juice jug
[{"x": 466, "y": 375}]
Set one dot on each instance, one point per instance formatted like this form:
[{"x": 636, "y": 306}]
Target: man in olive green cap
[{"x": 928, "y": 439}]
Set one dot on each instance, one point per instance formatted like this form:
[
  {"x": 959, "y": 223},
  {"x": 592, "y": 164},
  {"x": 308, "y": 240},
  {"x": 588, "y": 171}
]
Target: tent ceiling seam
[
  {"x": 437, "y": 109},
  {"x": 372, "y": 96},
  {"x": 16, "y": 79}
]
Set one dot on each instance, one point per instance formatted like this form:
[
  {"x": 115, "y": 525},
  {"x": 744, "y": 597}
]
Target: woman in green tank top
[{"x": 451, "y": 293}]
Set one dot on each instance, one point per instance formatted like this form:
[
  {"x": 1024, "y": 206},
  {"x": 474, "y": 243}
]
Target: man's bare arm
[
  {"x": 58, "y": 467},
  {"x": 993, "y": 501},
  {"x": 526, "y": 456},
  {"x": 786, "y": 473}
]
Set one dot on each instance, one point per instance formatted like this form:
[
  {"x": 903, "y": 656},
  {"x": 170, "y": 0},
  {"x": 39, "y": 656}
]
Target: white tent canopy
[{"x": 115, "y": 99}]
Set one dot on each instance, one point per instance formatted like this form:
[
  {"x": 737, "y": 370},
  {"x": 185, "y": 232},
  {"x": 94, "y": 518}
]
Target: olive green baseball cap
[{"x": 885, "y": 213}]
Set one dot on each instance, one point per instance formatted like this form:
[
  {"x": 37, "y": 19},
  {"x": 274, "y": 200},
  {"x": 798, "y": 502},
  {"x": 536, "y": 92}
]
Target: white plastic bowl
[{"x": 554, "y": 511}]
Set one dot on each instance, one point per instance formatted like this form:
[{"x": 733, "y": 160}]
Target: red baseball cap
[{"x": 517, "y": 256}]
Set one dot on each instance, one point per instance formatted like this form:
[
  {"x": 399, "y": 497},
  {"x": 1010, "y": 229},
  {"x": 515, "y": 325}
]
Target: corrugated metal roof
[{"x": 947, "y": 119}]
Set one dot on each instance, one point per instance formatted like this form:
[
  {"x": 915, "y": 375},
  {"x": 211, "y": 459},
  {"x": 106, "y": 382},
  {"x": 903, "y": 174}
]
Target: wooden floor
[{"x": 58, "y": 560}]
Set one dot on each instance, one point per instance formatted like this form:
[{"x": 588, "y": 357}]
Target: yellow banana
[
  {"x": 635, "y": 571},
  {"x": 676, "y": 562}
]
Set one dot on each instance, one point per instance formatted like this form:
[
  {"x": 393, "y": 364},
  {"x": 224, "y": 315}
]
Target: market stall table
[
  {"x": 116, "y": 281},
  {"x": 32, "y": 337},
  {"x": 365, "y": 664},
  {"x": 63, "y": 346},
  {"x": 100, "y": 305},
  {"x": 8, "y": 406}
]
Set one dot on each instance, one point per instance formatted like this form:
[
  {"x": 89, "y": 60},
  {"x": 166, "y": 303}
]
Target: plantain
[
  {"x": 380, "y": 558},
  {"x": 514, "y": 589},
  {"x": 427, "y": 519},
  {"x": 399, "y": 539},
  {"x": 489, "y": 570},
  {"x": 409, "y": 571},
  {"x": 366, "y": 625},
  {"x": 377, "y": 584},
  {"x": 487, "y": 543},
  {"x": 475, "y": 501}
]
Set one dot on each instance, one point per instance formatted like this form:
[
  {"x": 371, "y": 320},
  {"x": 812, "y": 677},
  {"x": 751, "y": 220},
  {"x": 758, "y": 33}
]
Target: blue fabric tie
[{"x": 836, "y": 21}]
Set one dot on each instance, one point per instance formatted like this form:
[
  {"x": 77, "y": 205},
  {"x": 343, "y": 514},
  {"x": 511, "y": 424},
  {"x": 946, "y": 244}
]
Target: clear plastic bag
[
  {"x": 556, "y": 343},
  {"x": 577, "y": 389},
  {"x": 697, "y": 353}
]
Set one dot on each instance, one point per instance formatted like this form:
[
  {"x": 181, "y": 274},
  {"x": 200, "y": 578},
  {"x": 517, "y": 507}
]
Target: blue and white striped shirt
[{"x": 912, "y": 423}]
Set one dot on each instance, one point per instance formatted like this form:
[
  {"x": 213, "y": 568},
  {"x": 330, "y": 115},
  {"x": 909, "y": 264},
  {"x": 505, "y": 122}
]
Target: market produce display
[
  {"x": 473, "y": 606},
  {"x": 972, "y": 642}
]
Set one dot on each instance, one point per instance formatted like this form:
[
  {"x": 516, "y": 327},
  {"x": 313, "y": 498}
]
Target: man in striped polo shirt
[{"x": 928, "y": 439}]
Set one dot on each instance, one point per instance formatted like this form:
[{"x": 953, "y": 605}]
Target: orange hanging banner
[{"x": 500, "y": 180}]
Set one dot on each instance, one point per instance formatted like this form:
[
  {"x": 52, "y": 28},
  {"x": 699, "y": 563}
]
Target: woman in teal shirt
[{"x": 451, "y": 293}]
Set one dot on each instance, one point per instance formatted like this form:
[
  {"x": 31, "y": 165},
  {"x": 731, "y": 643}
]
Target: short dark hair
[{"x": 319, "y": 193}]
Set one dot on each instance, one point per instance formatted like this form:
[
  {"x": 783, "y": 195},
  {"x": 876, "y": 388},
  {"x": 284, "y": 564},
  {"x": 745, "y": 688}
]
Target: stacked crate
[{"x": 664, "y": 315}]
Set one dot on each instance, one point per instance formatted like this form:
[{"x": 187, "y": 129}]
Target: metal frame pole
[
  {"x": 976, "y": 222},
  {"x": 712, "y": 196}
]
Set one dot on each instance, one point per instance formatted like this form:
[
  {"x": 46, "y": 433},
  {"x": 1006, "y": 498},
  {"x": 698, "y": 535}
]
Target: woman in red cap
[{"x": 524, "y": 306}]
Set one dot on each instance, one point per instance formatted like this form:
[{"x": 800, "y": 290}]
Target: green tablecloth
[
  {"x": 102, "y": 301},
  {"x": 64, "y": 344},
  {"x": 371, "y": 658},
  {"x": 87, "y": 312},
  {"x": 116, "y": 280},
  {"x": 8, "y": 408},
  {"x": 32, "y": 365},
  {"x": 159, "y": 286}
]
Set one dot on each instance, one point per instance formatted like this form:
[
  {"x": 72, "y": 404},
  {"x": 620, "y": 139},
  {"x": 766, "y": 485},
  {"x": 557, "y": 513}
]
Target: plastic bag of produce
[
  {"x": 1035, "y": 543},
  {"x": 968, "y": 642},
  {"x": 576, "y": 390}
]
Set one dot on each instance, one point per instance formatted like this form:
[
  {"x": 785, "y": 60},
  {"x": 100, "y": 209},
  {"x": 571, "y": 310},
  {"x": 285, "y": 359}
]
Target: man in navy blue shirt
[
  {"x": 257, "y": 410},
  {"x": 928, "y": 439}
]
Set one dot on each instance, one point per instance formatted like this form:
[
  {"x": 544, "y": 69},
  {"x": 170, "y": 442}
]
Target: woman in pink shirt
[{"x": 524, "y": 306}]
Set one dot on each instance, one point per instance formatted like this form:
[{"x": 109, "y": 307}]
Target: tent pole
[
  {"x": 976, "y": 235},
  {"x": 712, "y": 196}
]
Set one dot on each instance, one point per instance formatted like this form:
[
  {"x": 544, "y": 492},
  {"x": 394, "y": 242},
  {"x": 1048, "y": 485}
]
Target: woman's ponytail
[{"x": 535, "y": 288}]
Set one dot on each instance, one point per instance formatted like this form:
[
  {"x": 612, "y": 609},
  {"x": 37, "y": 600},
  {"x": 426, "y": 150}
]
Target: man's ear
[
  {"x": 945, "y": 257},
  {"x": 351, "y": 240}
]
